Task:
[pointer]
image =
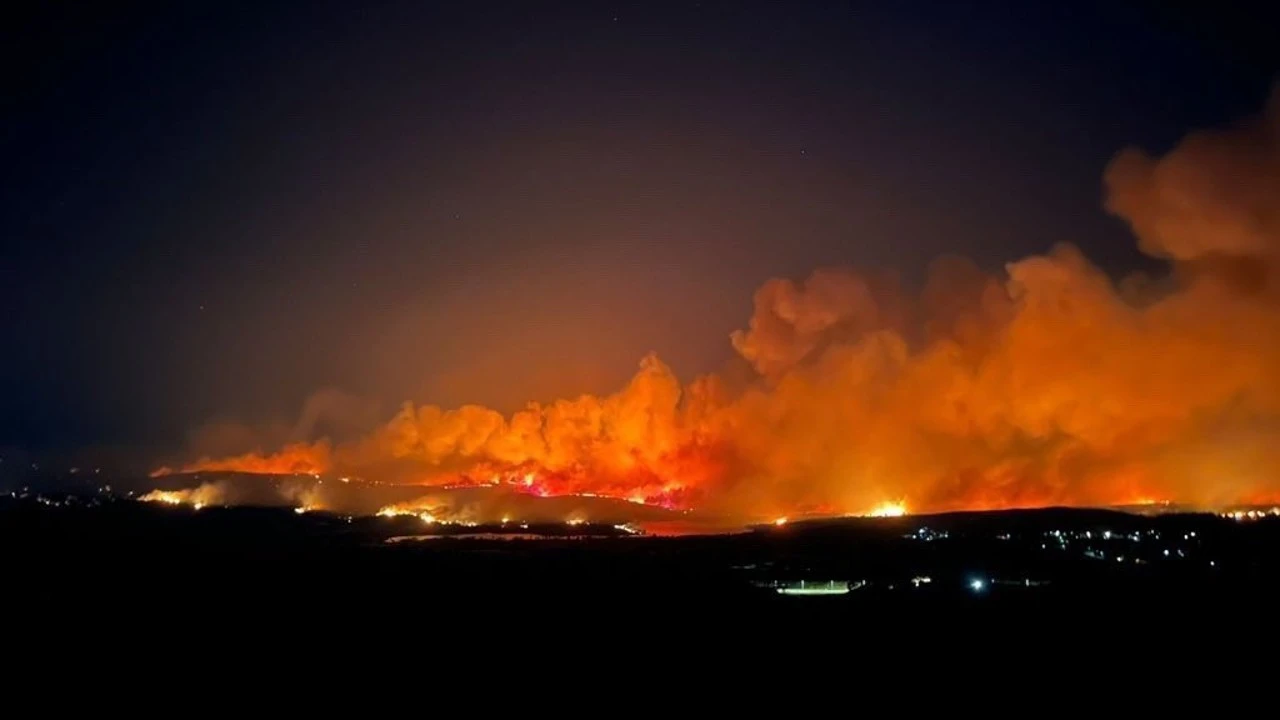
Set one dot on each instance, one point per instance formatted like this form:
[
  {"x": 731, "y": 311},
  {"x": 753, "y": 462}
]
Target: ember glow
[{"x": 1048, "y": 383}]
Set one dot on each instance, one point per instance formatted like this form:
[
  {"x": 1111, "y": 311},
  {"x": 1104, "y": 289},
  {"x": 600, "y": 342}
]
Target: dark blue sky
[{"x": 214, "y": 211}]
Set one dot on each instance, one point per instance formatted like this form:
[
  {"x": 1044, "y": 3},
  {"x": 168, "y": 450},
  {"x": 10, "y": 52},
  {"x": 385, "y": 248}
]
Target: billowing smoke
[
  {"x": 1214, "y": 195},
  {"x": 1048, "y": 383}
]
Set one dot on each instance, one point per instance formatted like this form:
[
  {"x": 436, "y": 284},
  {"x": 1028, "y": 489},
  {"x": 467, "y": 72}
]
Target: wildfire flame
[
  {"x": 1048, "y": 383},
  {"x": 428, "y": 517},
  {"x": 164, "y": 496},
  {"x": 197, "y": 498},
  {"x": 888, "y": 509}
]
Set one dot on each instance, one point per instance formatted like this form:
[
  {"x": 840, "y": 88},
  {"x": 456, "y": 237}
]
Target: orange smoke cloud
[
  {"x": 1213, "y": 195},
  {"x": 1046, "y": 384}
]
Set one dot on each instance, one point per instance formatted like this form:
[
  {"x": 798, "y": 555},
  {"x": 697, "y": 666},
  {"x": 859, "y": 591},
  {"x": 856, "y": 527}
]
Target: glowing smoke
[{"x": 1046, "y": 384}]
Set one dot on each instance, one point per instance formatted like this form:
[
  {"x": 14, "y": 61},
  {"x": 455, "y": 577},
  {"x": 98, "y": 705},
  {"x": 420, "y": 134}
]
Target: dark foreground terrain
[{"x": 83, "y": 561}]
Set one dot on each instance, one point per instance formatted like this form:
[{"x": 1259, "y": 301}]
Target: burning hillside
[
  {"x": 452, "y": 505},
  {"x": 1047, "y": 384}
]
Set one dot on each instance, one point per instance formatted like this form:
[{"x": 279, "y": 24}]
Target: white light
[
  {"x": 1166, "y": 553},
  {"x": 977, "y": 585},
  {"x": 1106, "y": 535}
]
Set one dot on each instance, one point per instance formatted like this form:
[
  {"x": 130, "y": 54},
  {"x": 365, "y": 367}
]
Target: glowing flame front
[
  {"x": 164, "y": 496},
  {"x": 888, "y": 509}
]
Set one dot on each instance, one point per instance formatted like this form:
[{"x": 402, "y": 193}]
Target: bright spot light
[
  {"x": 977, "y": 584},
  {"x": 528, "y": 479},
  {"x": 427, "y": 518},
  {"x": 505, "y": 519},
  {"x": 780, "y": 521},
  {"x": 198, "y": 505},
  {"x": 302, "y": 509}
]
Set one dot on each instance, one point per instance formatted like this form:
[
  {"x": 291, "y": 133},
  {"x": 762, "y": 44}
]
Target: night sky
[{"x": 214, "y": 212}]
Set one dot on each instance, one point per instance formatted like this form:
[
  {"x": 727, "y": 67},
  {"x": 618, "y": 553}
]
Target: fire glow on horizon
[{"x": 1049, "y": 383}]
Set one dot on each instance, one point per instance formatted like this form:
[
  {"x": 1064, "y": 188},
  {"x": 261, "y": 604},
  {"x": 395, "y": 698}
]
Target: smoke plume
[{"x": 1047, "y": 383}]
